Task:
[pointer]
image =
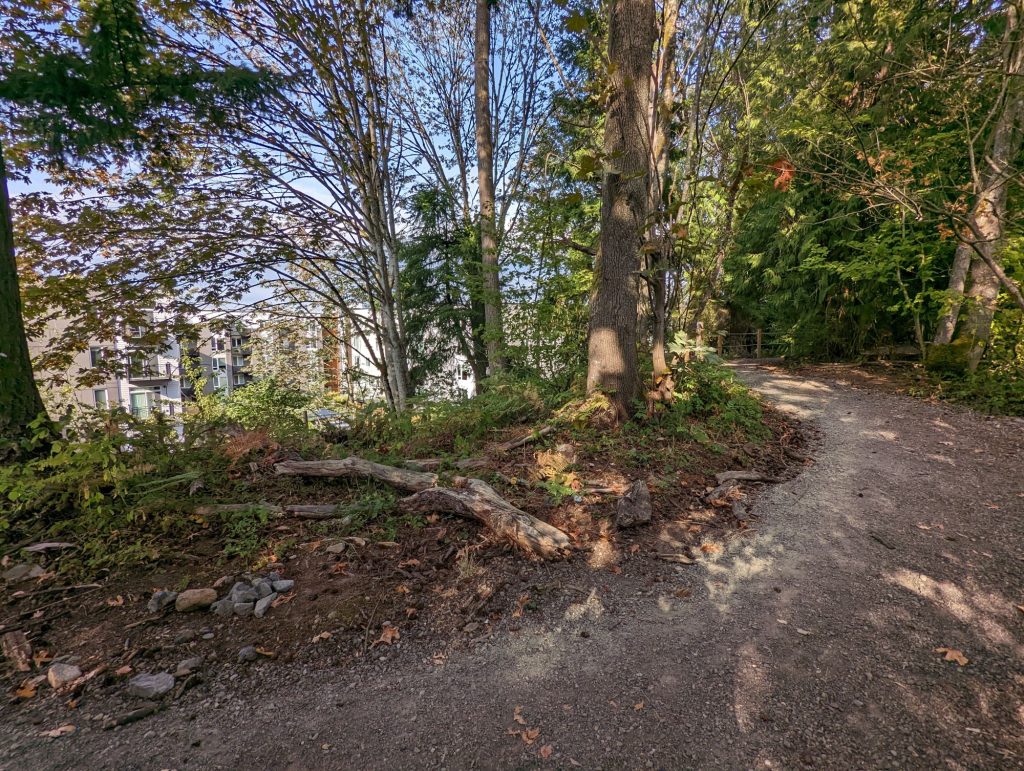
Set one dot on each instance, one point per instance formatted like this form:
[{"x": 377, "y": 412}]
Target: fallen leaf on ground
[
  {"x": 389, "y": 634},
  {"x": 41, "y": 657},
  {"x": 115, "y": 602},
  {"x": 63, "y": 730},
  {"x": 530, "y": 735},
  {"x": 517, "y": 715},
  {"x": 634, "y": 549},
  {"x": 521, "y": 603},
  {"x": 638, "y": 706},
  {"x": 410, "y": 563},
  {"x": 322, "y": 636},
  {"x": 265, "y": 652},
  {"x": 614, "y": 569},
  {"x": 340, "y": 569},
  {"x": 283, "y": 599},
  {"x": 411, "y": 612},
  {"x": 952, "y": 654},
  {"x": 710, "y": 548},
  {"x": 546, "y": 750},
  {"x": 27, "y": 689},
  {"x": 403, "y": 589}
]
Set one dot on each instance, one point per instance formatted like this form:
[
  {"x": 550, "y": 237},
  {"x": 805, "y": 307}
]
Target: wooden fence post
[
  {"x": 758, "y": 355},
  {"x": 721, "y": 343}
]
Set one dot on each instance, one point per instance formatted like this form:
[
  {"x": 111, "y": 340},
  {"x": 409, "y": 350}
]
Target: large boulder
[{"x": 195, "y": 599}]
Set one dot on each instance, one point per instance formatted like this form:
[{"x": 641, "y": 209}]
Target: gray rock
[
  {"x": 337, "y": 548},
  {"x": 223, "y": 608},
  {"x": 22, "y": 572},
  {"x": 248, "y": 653},
  {"x": 195, "y": 599},
  {"x": 273, "y": 577},
  {"x": 264, "y": 605},
  {"x": 59, "y": 675},
  {"x": 208, "y": 636},
  {"x": 243, "y": 609},
  {"x": 161, "y": 600},
  {"x": 188, "y": 666},
  {"x": 283, "y": 586},
  {"x": 634, "y": 508},
  {"x": 241, "y": 592},
  {"x": 151, "y": 686},
  {"x": 186, "y": 636},
  {"x": 263, "y": 588}
]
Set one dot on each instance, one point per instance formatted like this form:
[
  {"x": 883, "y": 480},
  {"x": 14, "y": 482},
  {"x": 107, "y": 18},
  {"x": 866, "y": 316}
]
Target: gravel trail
[{"x": 809, "y": 642}]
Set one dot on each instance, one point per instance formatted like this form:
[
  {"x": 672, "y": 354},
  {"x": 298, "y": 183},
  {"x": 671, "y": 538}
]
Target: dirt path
[{"x": 809, "y": 642}]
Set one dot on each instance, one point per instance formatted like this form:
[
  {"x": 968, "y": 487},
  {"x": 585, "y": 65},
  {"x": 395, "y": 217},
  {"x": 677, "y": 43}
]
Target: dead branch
[
  {"x": 744, "y": 476},
  {"x": 353, "y": 466},
  {"x": 475, "y": 499},
  {"x": 531, "y": 437}
]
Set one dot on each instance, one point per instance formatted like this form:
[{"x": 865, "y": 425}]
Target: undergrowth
[{"x": 126, "y": 491}]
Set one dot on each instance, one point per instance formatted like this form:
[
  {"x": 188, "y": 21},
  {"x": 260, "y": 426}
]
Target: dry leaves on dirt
[
  {"x": 517, "y": 715},
  {"x": 322, "y": 636},
  {"x": 546, "y": 750},
  {"x": 388, "y": 636},
  {"x": 952, "y": 654},
  {"x": 63, "y": 730}
]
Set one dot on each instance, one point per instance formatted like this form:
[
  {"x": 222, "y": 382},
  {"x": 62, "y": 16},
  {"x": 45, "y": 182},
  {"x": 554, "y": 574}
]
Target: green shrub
[{"x": 711, "y": 404}]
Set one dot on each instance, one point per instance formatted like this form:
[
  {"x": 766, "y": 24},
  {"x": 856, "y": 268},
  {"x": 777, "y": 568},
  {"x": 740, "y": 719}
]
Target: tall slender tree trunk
[
  {"x": 985, "y": 227},
  {"x": 664, "y": 101},
  {"x": 20, "y": 402},
  {"x": 493, "y": 333},
  {"x": 611, "y": 347}
]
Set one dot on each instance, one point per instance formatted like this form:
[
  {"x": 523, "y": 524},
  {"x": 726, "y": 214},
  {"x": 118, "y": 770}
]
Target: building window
[
  {"x": 96, "y": 356},
  {"x": 220, "y": 381},
  {"x": 239, "y": 379},
  {"x": 236, "y": 342},
  {"x": 219, "y": 363},
  {"x": 218, "y": 343},
  {"x": 237, "y": 360},
  {"x": 141, "y": 404},
  {"x": 100, "y": 397}
]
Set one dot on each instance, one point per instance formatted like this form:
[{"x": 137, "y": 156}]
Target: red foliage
[{"x": 784, "y": 173}]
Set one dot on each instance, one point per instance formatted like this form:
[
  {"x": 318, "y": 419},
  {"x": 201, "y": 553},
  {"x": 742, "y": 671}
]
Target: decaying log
[
  {"x": 744, "y": 476},
  {"x": 353, "y": 466},
  {"x": 227, "y": 508},
  {"x": 475, "y": 499},
  {"x": 433, "y": 464},
  {"x": 318, "y": 511},
  {"x": 533, "y": 436}
]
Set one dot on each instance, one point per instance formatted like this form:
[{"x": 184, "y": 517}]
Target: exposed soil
[{"x": 804, "y": 634}]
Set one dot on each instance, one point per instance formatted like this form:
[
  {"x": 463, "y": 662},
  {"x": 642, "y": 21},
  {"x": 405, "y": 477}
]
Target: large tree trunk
[
  {"x": 485, "y": 177},
  {"x": 611, "y": 348},
  {"x": 20, "y": 402},
  {"x": 985, "y": 228}
]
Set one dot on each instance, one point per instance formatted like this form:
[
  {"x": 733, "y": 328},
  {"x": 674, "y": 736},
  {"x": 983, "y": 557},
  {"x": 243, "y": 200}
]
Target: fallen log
[
  {"x": 228, "y": 508},
  {"x": 317, "y": 511},
  {"x": 475, "y": 499},
  {"x": 353, "y": 466},
  {"x": 533, "y": 436},
  {"x": 744, "y": 476}
]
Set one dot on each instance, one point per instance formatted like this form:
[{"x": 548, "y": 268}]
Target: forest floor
[{"x": 807, "y": 640}]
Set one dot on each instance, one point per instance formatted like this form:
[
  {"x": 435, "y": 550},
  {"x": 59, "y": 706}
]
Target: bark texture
[
  {"x": 611, "y": 346},
  {"x": 403, "y": 479},
  {"x": 475, "y": 499},
  {"x": 485, "y": 178},
  {"x": 985, "y": 228},
  {"x": 20, "y": 402}
]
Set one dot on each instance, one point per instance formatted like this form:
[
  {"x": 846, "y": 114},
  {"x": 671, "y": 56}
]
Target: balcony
[{"x": 151, "y": 372}]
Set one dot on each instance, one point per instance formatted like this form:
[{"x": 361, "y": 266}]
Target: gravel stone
[
  {"x": 264, "y": 605},
  {"x": 161, "y": 600},
  {"x": 150, "y": 686}
]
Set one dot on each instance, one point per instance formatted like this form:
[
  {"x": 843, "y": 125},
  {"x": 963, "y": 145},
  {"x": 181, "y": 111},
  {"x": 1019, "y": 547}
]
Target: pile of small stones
[{"x": 252, "y": 596}]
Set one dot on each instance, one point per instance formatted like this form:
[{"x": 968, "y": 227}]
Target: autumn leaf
[
  {"x": 521, "y": 604},
  {"x": 517, "y": 715},
  {"x": 710, "y": 548},
  {"x": 410, "y": 563},
  {"x": 530, "y": 735},
  {"x": 63, "y": 730},
  {"x": 389, "y": 635},
  {"x": 614, "y": 569},
  {"x": 115, "y": 602},
  {"x": 27, "y": 689},
  {"x": 638, "y": 706},
  {"x": 952, "y": 654},
  {"x": 340, "y": 569},
  {"x": 546, "y": 750},
  {"x": 411, "y": 612},
  {"x": 41, "y": 657},
  {"x": 265, "y": 652},
  {"x": 322, "y": 636}
]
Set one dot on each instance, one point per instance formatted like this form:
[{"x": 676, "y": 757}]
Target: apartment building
[{"x": 118, "y": 372}]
